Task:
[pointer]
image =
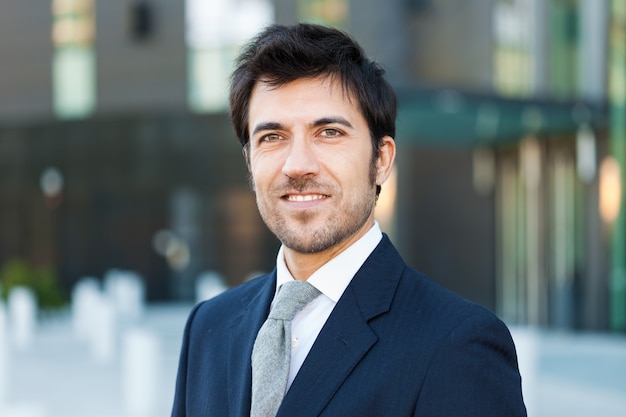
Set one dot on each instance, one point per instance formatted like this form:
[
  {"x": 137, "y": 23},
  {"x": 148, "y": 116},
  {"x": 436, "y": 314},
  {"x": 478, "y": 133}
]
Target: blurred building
[{"x": 116, "y": 150}]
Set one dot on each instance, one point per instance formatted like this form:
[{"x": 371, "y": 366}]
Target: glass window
[
  {"x": 216, "y": 30},
  {"x": 564, "y": 237},
  {"x": 73, "y": 66},
  {"x": 327, "y": 12},
  {"x": 511, "y": 244},
  {"x": 564, "y": 48},
  {"x": 512, "y": 52}
]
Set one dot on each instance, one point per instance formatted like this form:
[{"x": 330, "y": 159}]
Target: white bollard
[
  {"x": 127, "y": 292},
  {"x": 85, "y": 295},
  {"x": 4, "y": 359},
  {"x": 131, "y": 297},
  {"x": 140, "y": 372},
  {"x": 22, "y": 316},
  {"x": 103, "y": 333},
  {"x": 208, "y": 285}
]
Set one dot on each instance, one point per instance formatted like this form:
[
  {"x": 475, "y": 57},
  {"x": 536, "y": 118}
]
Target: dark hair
[{"x": 281, "y": 54}]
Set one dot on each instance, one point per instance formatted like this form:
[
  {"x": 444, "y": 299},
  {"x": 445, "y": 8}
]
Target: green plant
[{"x": 42, "y": 281}]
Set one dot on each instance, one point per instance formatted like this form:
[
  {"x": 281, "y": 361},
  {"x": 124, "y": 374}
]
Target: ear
[
  {"x": 246, "y": 155},
  {"x": 386, "y": 157}
]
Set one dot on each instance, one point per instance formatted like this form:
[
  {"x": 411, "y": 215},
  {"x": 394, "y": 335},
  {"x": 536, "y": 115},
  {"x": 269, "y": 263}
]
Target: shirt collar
[{"x": 332, "y": 278}]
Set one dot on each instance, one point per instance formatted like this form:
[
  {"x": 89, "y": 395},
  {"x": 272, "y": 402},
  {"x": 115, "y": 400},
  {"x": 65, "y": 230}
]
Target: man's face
[{"x": 310, "y": 161}]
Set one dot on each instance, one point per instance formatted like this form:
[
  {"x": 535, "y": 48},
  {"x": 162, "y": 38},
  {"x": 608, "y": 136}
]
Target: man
[{"x": 316, "y": 120}]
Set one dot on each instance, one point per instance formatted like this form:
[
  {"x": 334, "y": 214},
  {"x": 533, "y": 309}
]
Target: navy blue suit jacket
[{"x": 397, "y": 344}]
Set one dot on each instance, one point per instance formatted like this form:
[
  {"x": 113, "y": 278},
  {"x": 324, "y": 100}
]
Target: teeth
[{"x": 308, "y": 197}]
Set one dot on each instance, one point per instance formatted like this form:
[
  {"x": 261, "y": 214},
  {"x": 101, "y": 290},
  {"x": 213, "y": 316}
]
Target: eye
[
  {"x": 271, "y": 137},
  {"x": 330, "y": 133}
]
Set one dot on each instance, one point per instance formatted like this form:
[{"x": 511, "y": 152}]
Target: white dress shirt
[{"x": 331, "y": 280}]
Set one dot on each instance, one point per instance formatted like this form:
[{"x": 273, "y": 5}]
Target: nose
[{"x": 301, "y": 159}]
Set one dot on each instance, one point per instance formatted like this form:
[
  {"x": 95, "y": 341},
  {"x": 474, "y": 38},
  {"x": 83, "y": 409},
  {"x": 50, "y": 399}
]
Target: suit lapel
[
  {"x": 346, "y": 337},
  {"x": 244, "y": 329},
  {"x": 337, "y": 350}
]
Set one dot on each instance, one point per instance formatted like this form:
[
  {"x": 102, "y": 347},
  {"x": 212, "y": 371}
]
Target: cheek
[
  {"x": 260, "y": 176},
  {"x": 358, "y": 170},
  {"x": 353, "y": 183}
]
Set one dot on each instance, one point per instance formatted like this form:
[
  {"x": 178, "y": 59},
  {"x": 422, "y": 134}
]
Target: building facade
[{"x": 116, "y": 151}]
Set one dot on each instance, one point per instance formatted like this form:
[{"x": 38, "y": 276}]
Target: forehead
[{"x": 301, "y": 98}]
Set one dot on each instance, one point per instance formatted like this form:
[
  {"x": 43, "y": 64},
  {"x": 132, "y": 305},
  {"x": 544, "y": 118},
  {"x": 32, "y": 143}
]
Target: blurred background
[{"x": 124, "y": 196}]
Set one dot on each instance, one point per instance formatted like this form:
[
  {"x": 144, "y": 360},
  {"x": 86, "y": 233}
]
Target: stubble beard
[
  {"x": 296, "y": 233},
  {"x": 342, "y": 223},
  {"x": 338, "y": 226}
]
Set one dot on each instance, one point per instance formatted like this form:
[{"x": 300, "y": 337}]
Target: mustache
[{"x": 300, "y": 184}]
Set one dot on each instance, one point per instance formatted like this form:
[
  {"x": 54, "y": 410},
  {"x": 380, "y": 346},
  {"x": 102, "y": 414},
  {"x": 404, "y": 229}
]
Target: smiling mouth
[{"x": 305, "y": 197}]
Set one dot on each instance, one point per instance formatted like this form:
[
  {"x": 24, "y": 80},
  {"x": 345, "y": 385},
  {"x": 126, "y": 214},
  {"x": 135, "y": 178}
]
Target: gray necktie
[{"x": 271, "y": 354}]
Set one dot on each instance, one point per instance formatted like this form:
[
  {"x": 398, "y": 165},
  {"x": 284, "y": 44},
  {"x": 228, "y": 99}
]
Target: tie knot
[{"x": 291, "y": 298}]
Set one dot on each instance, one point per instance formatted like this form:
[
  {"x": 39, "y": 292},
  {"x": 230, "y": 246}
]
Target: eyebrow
[
  {"x": 266, "y": 126},
  {"x": 331, "y": 120},
  {"x": 317, "y": 123}
]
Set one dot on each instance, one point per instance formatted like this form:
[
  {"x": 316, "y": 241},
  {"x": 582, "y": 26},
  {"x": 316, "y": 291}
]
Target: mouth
[{"x": 303, "y": 198}]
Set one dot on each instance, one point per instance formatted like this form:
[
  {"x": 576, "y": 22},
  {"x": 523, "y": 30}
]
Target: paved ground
[
  {"x": 569, "y": 375},
  {"x": 572, "y": 374}
]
